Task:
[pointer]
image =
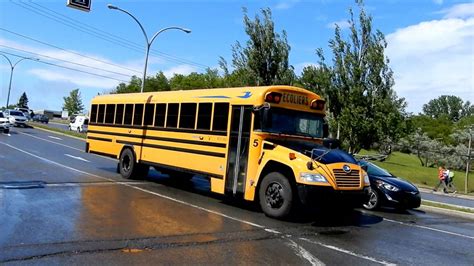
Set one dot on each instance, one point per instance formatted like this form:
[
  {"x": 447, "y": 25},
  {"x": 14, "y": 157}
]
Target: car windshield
[
  {"x": 373, "y": 169},
  {"x": 17, "y": 113},
  {"x": 285, "y": 121}
]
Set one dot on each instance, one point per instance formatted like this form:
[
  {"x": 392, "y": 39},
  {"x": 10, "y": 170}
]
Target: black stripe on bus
[
  {"x": 183, "y": 130},
  {"x": 207, "y": 153},
  {"x": 211, "y": 144},
  {"x": 103, "y": 154},
  {"x": 101, "y": 139},
  {"x": 159, "y": 165}
]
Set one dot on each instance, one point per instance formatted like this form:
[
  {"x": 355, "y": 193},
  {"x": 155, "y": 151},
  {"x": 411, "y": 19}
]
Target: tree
[
  {"x": 73, "y": 103},
  {"x": 359, "y": 86},
  {"x": 23, "y": 101},
  {"x": 207, "y": 80},
  {"x": 264, "y": 59},
  {"x": 450, "y": 106}
]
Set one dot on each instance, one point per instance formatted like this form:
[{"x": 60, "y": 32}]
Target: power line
[
  {"x": 69, "y": 68},
  {"x": 66, "y": 61},
  {"x": 70, "y": 22},
  {"x": 69, "y": 51}
]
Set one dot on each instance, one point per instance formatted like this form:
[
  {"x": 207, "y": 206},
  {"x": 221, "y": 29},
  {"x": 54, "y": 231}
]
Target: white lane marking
[
  {"x": 7, "y": 134},
  {"x": 429, "y": 228},
  {"x": 64, "y": 145},
  {"x": 189, "y": 204},
  {"x": 348, "y": 252},
  {"x": 303, "y": 253},
  {"x": 77, "y": 157},
  {"x": 53, "y": 137}
]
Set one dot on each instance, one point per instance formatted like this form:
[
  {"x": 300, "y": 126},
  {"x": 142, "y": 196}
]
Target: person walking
[{"x": 442, "y": 178}]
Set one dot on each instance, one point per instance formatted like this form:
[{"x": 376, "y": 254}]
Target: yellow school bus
[{"x": 256, "y": 143}]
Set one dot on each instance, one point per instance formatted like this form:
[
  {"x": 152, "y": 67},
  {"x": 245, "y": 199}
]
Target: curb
[
  {"x": 59, "y": 133},
  {"x": 449, "y": 212}
]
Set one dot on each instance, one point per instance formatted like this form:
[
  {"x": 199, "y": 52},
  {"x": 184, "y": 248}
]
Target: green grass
[
  {"x": 66, "y": 132},
  {"x": 60, "y": 121},
  {"x": 407, "y": 166}
]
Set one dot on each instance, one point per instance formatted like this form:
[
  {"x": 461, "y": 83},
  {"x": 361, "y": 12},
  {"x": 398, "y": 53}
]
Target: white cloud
[
  {"x": 459, "y": 11},
  {"x": 343, "y": 24},
  {"x": 300, "y": 66},
  {"x": 181, "y": 69},
  {"x": 286, "y": 4},
  {"x": 433, "y": 58}
]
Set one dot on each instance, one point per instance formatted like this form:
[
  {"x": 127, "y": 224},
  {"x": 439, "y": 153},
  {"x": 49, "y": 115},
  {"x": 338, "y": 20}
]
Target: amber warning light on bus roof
[
  {"x": 273, "y": 97},
  {"x": 318, "y": 104}
]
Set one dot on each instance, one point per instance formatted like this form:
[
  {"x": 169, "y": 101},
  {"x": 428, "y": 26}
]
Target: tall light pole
[
  {"x": 468, "y": 161},
  {"x": 12, "y": 67},
  {"x": 148, "y": 42}
]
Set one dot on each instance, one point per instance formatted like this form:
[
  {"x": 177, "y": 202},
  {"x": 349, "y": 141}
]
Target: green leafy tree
[
  {"x": 23, "y": 101},
  {"x": 264, "y": 59},
  {"x": 73, "y": 102},
  {"x": 359, "y": 86},
  {"x": 450, "y": 106},
  {"x": 207, "y": 80}
]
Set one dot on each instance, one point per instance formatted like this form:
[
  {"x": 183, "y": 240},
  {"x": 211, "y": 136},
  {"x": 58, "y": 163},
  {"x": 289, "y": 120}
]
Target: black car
[
  {"x": 389, "y": 190},
  {"x": 41, "y": 118}
]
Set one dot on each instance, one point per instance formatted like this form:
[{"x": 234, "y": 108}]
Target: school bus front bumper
[{"x": 325, "y": 196}]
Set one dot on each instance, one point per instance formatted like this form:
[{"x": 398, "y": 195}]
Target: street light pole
[
  {"x": 148, "y": 42},
  {"x": 468, "y": 161},
  {"x": 12, "y": 68}
]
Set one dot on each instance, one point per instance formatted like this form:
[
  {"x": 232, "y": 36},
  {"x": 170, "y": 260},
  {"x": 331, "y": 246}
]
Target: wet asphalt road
[{"x": 82, "y": 212}]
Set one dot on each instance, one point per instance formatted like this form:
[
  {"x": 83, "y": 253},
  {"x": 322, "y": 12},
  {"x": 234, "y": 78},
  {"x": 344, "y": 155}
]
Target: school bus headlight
[
  {"x": 366, "y": 179},
  {"x": 313, "y": 177}
]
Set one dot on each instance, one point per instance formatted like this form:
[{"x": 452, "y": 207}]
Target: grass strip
[{"x": 65, "y": 132}]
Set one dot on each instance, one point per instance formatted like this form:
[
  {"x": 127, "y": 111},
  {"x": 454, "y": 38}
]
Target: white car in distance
[
  {"x": 79, "y": 124},
  {"x": 4, "y": 123},
  {"x": 16, "y": 118}
]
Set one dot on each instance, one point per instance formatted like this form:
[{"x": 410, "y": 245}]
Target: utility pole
[{"x": 468, "y": 161}]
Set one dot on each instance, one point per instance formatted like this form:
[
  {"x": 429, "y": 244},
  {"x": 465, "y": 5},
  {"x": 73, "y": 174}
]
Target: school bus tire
[
  {"x": 129, "y": 168},
  {"x": 276, "y": 195}
]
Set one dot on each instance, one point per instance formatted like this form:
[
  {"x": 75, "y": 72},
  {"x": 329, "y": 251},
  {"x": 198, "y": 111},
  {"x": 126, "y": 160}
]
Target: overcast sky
[{"x": 430, "y": 43}]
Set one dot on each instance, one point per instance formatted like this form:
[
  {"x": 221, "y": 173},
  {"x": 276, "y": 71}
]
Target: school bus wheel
[
  {"x": 129, "y": 168},
  {"x": 276, "y": 195}
]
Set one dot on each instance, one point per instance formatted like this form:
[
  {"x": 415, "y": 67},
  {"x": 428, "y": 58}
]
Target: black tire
[
  {"x": 276, "y": 195},
  {"x": 6, "y": 131},
  {"x": 129, "y": 168},
  {"x": 374, "y": 200}
]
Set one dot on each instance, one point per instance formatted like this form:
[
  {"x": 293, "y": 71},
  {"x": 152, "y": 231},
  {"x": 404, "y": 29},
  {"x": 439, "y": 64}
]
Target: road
[{"x": 59, "y": 205}]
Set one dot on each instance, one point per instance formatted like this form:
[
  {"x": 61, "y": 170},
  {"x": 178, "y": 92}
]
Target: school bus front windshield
[{"x": 290, "y": 122}]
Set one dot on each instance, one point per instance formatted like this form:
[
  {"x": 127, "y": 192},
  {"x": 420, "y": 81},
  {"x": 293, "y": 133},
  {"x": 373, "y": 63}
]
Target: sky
[{"x": 430, "y": 43}]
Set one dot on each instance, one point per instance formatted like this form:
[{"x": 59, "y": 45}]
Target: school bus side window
[
  {"x": 94, "y": 113},
  {"x": 127, "y": 120},
  {"x": 221, "y": 117},
  {"x": 204, "y": 116},
  {"x": 149, "y": 112},
  {"x": 119, "y": 115},
  {"x": 100, "y": 116},
  {"x": 138, "y": 118},
  {"x": 187, "y": 117},
  {"x": 109, "y": 113},
  {"x": 172, "y": 116},
  {"x": 160, "y": 113}
]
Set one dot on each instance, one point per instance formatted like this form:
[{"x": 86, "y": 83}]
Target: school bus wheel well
[
  {"x": 273, "y": 166},
  {"x": 127, "y": 147}
]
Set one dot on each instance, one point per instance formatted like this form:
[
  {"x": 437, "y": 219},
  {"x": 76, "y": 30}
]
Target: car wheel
[
  {"x": 374, "y": 200},
  {"x": 78, "y": 130},
  {"x": 6, "y": 131},
  {"x": 129, "y": 168},
  {"x": 276, "y": 195}
]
